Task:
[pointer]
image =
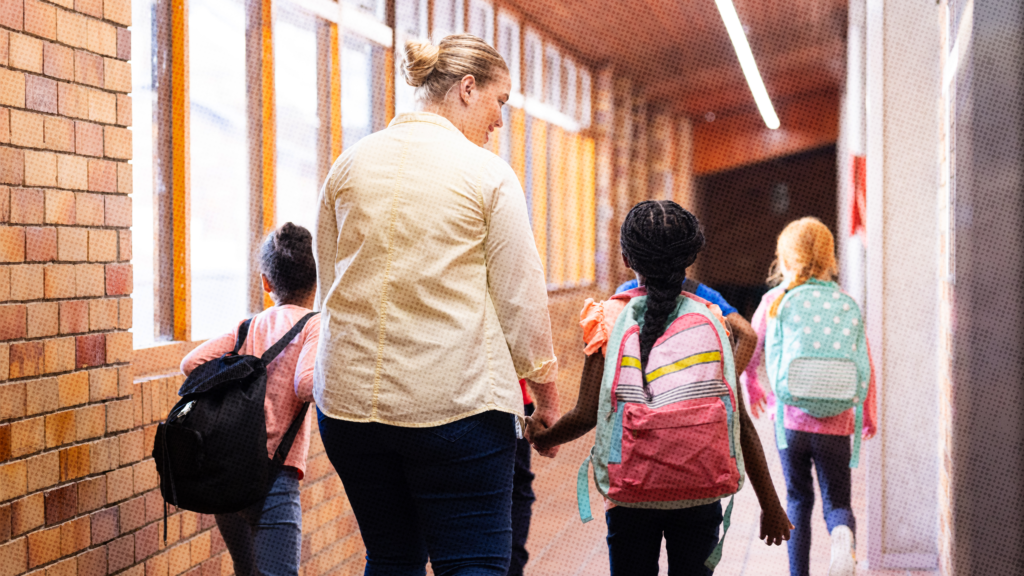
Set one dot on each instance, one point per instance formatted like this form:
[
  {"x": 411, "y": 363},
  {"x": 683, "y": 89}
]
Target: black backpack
[{"x": 211, "y": 452}]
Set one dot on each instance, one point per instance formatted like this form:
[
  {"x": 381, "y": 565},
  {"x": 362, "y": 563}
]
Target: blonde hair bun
[{"x": 420, "y": 62}]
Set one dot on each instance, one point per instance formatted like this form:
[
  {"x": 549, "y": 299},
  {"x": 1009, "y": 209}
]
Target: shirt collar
[{"x": 429, "y": 117}]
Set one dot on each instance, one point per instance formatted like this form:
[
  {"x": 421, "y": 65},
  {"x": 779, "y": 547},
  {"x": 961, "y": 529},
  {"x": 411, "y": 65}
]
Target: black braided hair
[
  {"x": 286, "y": 257},
  {"x": 660, "y": 240}
]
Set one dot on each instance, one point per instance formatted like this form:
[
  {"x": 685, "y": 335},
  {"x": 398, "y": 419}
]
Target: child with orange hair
[{"x": 805, "y": 254}]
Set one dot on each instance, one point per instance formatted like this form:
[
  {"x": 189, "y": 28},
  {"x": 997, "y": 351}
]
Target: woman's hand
[
  {"x": 775, "y": 525},
  {"x": 536, "y": 427}
]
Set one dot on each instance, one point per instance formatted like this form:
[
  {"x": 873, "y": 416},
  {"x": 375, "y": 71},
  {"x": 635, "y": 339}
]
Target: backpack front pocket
[{"x": 680, "y": 452}]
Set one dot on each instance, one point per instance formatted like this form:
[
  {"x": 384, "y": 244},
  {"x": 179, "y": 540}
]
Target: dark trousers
[
  {"x": 830, "y": 456},
  {"x": 443, "y": 493},
  {"x": 634, "y": 539},
  {"x": 266, "y": 538},
  {"x": 522, "y": 504}
]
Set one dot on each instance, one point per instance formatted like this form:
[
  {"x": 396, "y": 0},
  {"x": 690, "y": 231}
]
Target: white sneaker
[{"x": 844, "y": 562}]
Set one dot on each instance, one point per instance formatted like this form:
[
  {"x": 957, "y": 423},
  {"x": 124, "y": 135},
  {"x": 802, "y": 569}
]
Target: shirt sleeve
[
  {"x": 209, "y": 350},
  {"x": 307, "y": 360},
  {"x": 515, "y": 281},
  {"x": 325, "y": 244},
  {"x": 712, "y": 295},
  {"x": 595, "y": 331}
]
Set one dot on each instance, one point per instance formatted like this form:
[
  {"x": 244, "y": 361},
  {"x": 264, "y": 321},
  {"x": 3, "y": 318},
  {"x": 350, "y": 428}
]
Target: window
[
  {"x": 358, "y": 86},
  {"x": 569, "y": 89},
  {"x": 585, "y": 96},
  {"x": 448, "y": 18},
  {"x": 410, "y": 24},
  {"x": 219, "y": 142},
  {"x": 143, "y": 248},
  {"x": 481, "y": 20},
  {"x": 553, "y": 77},
  {"x": 375, "y": 7},
  {"x": 297, "y": 87},
  {"x": 534, "y": 68},
  {"x": 508, "y": 46}
]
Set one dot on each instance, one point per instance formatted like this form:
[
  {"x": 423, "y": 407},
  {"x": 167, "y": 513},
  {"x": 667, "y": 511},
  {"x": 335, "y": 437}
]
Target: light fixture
[{"x": 739, "y": 43}]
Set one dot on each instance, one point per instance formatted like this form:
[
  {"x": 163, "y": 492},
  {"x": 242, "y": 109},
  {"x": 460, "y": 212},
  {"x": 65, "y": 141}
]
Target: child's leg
[
  {"x": 237, "y": 532},
  {"x": 832, "y": 461},
  {"x": 277, "y": 535},
  {"x": 796, "y": 466},
  {"x": 634, "y": 541},
  {"x": 691, "y": 535}
]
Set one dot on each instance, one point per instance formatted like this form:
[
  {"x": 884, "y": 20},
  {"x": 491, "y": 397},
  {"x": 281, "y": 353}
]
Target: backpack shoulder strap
[
  {"x": 281, "y": 344},
  {"x": 243, "y": 331},
  {"x": 289, "y": 437}
]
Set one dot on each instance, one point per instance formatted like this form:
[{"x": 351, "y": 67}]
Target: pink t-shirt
[
  {"x": 289, "y": 376},
  {"x": 795, "y": 418}
]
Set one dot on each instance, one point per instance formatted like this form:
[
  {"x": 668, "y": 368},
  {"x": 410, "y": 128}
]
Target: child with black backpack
[
  {"x": 266, "y": 537},
  {"x": 813, "y": 347},
  {"x": 659, "y": 383}
]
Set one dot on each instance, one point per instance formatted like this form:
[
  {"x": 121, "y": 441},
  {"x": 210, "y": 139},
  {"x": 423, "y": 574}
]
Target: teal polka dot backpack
[{"x": 817, "y": 356}]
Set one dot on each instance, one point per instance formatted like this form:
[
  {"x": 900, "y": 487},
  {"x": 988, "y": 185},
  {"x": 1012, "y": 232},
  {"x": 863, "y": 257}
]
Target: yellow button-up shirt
[{"x": 431, "y": 289}]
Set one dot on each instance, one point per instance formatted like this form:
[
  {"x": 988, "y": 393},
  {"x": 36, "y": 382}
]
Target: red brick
[
  {"x": 147, "y": 542},
  {"x": 5, "y": 192},
  {"x": 120, "y": 485},
  {"x": 102, "y": 384},
  {"x": 178, "y": 559},
  {"x": 117, "y": 76},
  {"x": 74, "y": 317},
  {"x": 124, "y": 110},
  {"x": 5, "y": 523},
  {"x": 93, "y": 562},
  {"x": 41, "y": 396},
  {"x": 124, "y": 240},
  {"x": 145, "y": 475},
  {"x": 60, "y": 281},
  {"x": 132, "y": 514},
  {"x": 27, "y": 514},
  {"x": 13, "y": 480},
  {"x": 119, "y": 347},
  {"x": 105, "y": 525},
  {"x": 157, "y": 565},
  {"x": 13, "y": 321},
  {"x": 125, "y": 379},
  {"x": 12, "y": 86},
  {"x": 43, "y": 547},
  {"x": 119, "y": 279},
  {"x": 102, "y": 176},
  {"x": 40, "y": 244},
  {"x": 72, "y": 244},
  {"x": 61, "y": 504},
  {"x": 43, "y": 471},
  {"x": 41, "y": 19},
  {"x": 12, "y": 14},
  {"x": 12, "y": 244},
  {"x": 5, "y": 453},
  {"x": 120, "y": 553},
  {"x": 118, "y": 11},
  {"x": 72, "y": 100},
  {"x": 72, "y": 389},
  {"x": 26, "y": 359},
  {"x": 117, "y": 141},
  {"x": 12, "y": 403},
  {"x": 26, "y": 129},
  {"x": 88, "y": 209},
  {"x": 132, "y": 447},
  {"x": 90, "y": 422},
  {"x": 59, "y": 135},
  {"x": 91, "y": 350},
  {"x": 60, "y": 429},
  {"x": 66, "y": 567},
  {"x": 26, "y": 282},
  {"x": 74, "y": 462},
  {"x": 88, "y": 139},
  {"x": 40, "y": 93},
  {"x": 26, "y": 52},
  {"x": 40, "y": 168},
  {"x": 42, "y": 319},
  {"x": 75, "y": 536},
  {"x": 14, "y": 555},
  {"x": 5, "y": 114},
  {"x": 124, "y": 43},
  {"x": 92, "y": 494},
  {"x": 60, "y": 207},
  {"x": 88, "y": 68},
  {"x": 89, "y": 280},
  {"x": 60, "y": 355},
  {"x": 12, "y": 166},
  {"x": 103, "y": 314},
  {"x": 119, "y": 416},
  {"x": 93, "y": 8},
  {"x": 58, "y": 61},
  {"x": 27, "y": 206},
  {"x": 124, "y": 177}
]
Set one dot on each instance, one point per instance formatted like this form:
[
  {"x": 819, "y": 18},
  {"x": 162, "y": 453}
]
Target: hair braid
[{"x": 661, "y": 240}]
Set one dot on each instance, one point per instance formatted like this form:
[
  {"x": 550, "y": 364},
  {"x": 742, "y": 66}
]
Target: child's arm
[
  {"x": 581, "y": 419},
  {"x": 209, "y": 350},
  {"x": 746, "y": 340},
  {"x": 304, "y": 368},
  {"x": 775, "y": 525}
]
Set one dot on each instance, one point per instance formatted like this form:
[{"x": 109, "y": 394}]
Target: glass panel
[
  {"x": 375, "y": 7},
  {"x": 411, "y": 18},
  {"x": 534, "y": 68},
  {"x": 585, "y": 98},
  {"x": 552, "y": 77},
  {"x": 295, "y": 79},
  {"x": 357, "y": 86},
  {"x": 481, "y": 20},
  {"x": 220, "y": 169},
  {"x": 448, "y": 18},
  {"x": 569, "y": 88},
  {"x": 508, "y": 46},
  {"x": 143, "y": 100}
]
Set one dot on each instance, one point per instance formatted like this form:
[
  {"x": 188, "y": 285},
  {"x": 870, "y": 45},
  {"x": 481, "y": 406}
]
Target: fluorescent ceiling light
[{"x": 739, "y": 43}]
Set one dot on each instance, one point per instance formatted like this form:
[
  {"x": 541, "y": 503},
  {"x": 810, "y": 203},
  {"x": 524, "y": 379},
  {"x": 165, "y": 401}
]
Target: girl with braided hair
[
  {"x": 805, "y": 250},
  {"x": 659, "y": 241}
]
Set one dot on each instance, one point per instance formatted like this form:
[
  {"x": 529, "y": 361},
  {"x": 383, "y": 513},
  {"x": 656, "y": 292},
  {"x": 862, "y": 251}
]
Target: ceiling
[{"x": 679, "y": 53}]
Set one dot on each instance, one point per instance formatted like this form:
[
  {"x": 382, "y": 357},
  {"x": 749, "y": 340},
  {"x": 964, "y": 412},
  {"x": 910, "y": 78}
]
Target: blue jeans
[
  {"x": 830, "y": 456},
  {"x": 634, "y": 539},
  {"x": 522, "y": 504},
  {"x": 443, "y": 492},
  {"x": 266, "y": 538}
]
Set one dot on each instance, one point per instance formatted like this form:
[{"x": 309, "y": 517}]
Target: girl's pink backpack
[{"x": 679, "y": 448}]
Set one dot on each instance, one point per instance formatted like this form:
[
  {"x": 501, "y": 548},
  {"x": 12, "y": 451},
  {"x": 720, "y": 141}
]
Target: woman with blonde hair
[
  {"x": 433, "y": 305},
  {"x": 805, "y": 254}
]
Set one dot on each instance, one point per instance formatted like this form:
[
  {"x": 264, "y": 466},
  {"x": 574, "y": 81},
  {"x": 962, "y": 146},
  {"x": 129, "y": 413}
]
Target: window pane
[
  {"x": 552, "y": 77},
  {"x": 411, "y": 18},
  {"x": 584, "y": 98},
  {"x": 508, "y": 46},
  {"x": 357, "y": 85},
  {"x": 569, "y": 88},
  {"x": 534, "y": 68},
  {"x": 295, "y": 81},
  {"x": 481, "y": 20},
  {"x": 375, "y": 7},
  {"x": 219, "y": 157},
  {"x": 143, "y": 99},
  {"x": 447, "y": 18}
]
